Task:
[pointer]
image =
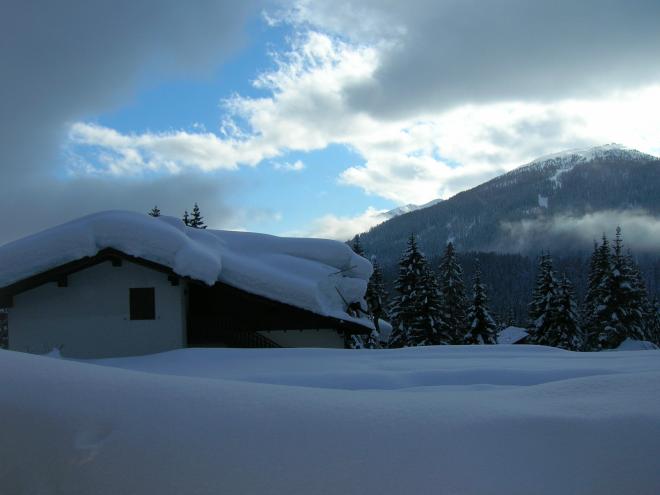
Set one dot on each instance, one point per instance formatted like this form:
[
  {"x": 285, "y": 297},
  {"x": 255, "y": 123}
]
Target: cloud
[
  {"x": 343, "y": 228},
  {"x": 64, "y": 61},
  {"x": 296, "y": 166},
  {"x": 407, "y": 160},
  {"x": 437, "y": 55},
  {"x": 561, "y": 233}
]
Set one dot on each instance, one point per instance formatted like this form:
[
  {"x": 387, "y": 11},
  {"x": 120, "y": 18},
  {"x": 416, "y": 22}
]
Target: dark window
[{"x": 143, "y": 303}]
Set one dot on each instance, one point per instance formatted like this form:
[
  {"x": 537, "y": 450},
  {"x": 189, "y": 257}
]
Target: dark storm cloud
[
  {"x": 62, "y": 61},
  {"x": 451, "y": 52}
]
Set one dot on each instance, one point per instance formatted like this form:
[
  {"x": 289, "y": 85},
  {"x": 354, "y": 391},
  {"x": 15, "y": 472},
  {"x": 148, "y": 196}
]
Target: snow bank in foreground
[
  {"x": 308, "y": 273},
  {"x": 436, "y": 420}
]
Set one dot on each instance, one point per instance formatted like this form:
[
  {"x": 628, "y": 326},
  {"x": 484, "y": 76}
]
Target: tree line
[{"x": 432, "y": 307}]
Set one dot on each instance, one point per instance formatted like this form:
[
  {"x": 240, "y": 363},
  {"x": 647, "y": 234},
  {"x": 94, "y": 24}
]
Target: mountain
[
  {"x": 561, "y": 200},
  {"x": 402, "y": 210}
]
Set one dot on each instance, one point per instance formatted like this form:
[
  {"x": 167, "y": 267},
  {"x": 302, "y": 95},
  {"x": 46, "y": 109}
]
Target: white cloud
[
  {"x": 343, "y": 228},
  {"x": 296, "y": 166},
  {"x": 410, "y": 159}
]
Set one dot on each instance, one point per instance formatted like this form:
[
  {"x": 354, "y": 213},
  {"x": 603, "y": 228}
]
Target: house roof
[
  {"x": 512, "y": 335},
  {"x": 317, "y": 275}
]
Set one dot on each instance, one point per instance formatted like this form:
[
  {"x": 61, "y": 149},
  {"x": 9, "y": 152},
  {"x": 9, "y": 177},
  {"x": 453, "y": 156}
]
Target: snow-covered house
[
  {"x": 513, "y": 335},
  {"x": 120, "y": 283}
]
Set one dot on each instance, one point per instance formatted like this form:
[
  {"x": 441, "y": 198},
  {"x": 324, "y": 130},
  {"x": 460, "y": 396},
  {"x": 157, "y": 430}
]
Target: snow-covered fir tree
[
  {"x": 592, "y": 320},
  {"x": 562, "y": 328},
  {"x": 196, "y": 220},
  {"x": 376, "y": 298},
  {"x": 404, "y": 310},
  {"x": 453, "y": 300},
  {"x": 356, "y": 246},
  {"x": 640, "y": 296},
  {"x": 186, "y": 218},
  {"x": 654, "y": 323},
  {"x": 482, "y": 328},
  {"x": 620, "y": 313},
  {"x": 154, "y": 212},
  {"x": 542, "y": 299},
  {"x": 429, "y": 328}
]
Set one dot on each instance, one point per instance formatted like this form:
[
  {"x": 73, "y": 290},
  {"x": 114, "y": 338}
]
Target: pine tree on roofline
[
  {"x": 154, "y": 212},
  {"x": 356, "y": 246},
  {"x": 197, "y": 220}
]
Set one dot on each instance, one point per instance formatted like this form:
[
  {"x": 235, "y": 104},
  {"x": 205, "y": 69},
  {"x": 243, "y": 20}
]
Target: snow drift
[
  {"x": 436, "y": 420},
  {"x": 313, "y": 274}
]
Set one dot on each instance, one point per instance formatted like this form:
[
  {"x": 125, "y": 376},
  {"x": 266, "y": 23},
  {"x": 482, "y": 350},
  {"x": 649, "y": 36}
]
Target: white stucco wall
[
  {"x": 90, "y": 318},
  {"x": 324, "y": 337}
]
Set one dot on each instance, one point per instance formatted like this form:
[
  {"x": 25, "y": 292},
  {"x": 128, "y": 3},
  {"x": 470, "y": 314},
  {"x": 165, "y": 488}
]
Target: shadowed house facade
[{"x": 113, "y": 304}]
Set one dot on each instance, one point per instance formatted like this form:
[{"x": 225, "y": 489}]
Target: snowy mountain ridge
[
  {"x": 402, "y": 210},
  {"x": 496, "y": 215},
  {"x": 566, "y": 160}
]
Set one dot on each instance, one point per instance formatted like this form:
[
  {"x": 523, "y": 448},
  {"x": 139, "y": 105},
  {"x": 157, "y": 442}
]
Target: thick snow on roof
[
  {"x": 307, "y": 273},
  {"x": 511, "y": 335}
]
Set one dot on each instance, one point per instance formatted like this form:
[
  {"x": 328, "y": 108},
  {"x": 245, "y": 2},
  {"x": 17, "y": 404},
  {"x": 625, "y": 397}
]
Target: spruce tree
[
  {"x": 562, "y": 328},
  {"x": 356, "y": 246},
  {"x": 482, "y": 328},
  {"x": 542, "y": 299},
  {"x": 404, "y": 308},
  {"x": 186, "y": 218},
  {"x": 600, "y": 268},
  {"x": 376, "y": 298},
  {"x": 640, "y": 298},
  {"x": 654, "y": 322},
  {"x": 453, "y": 300},
  {"x": 154, "y": 212},
  {"x": 197, "y": 220},
  {"x": 429, "y": 328},
  {"x": 620, "y": 312}
]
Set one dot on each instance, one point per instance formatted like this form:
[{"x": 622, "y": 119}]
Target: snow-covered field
[{"x": 437, "y": 420}]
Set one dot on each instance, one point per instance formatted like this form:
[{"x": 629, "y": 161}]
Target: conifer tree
[
  {"x": 640, "y": 298},
  {"x": 542, "y": 299},
  {"x": 562, "y": 327},
  {"x": 600, "y": 268},
  {"x": 186, "y": 218},
  {"x": 620, "y": 311},
  {"x": 405, "y": 305},
  {"x": 154, "y": 212},
  {"x": 356, "y": 246},
  {"x": 452, "y": 294},
  {"x": 482, "y": 328},
  {"x": 429, "y": 328},
  {"x": 654, "y": 323},
  {"x": 376, "y": 298},
  {"x": 197, "y": 220}
]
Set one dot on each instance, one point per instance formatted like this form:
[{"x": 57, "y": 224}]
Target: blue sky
[
  {"x": 288, "y": 200},
  {"x": 306, "y": 117}
]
